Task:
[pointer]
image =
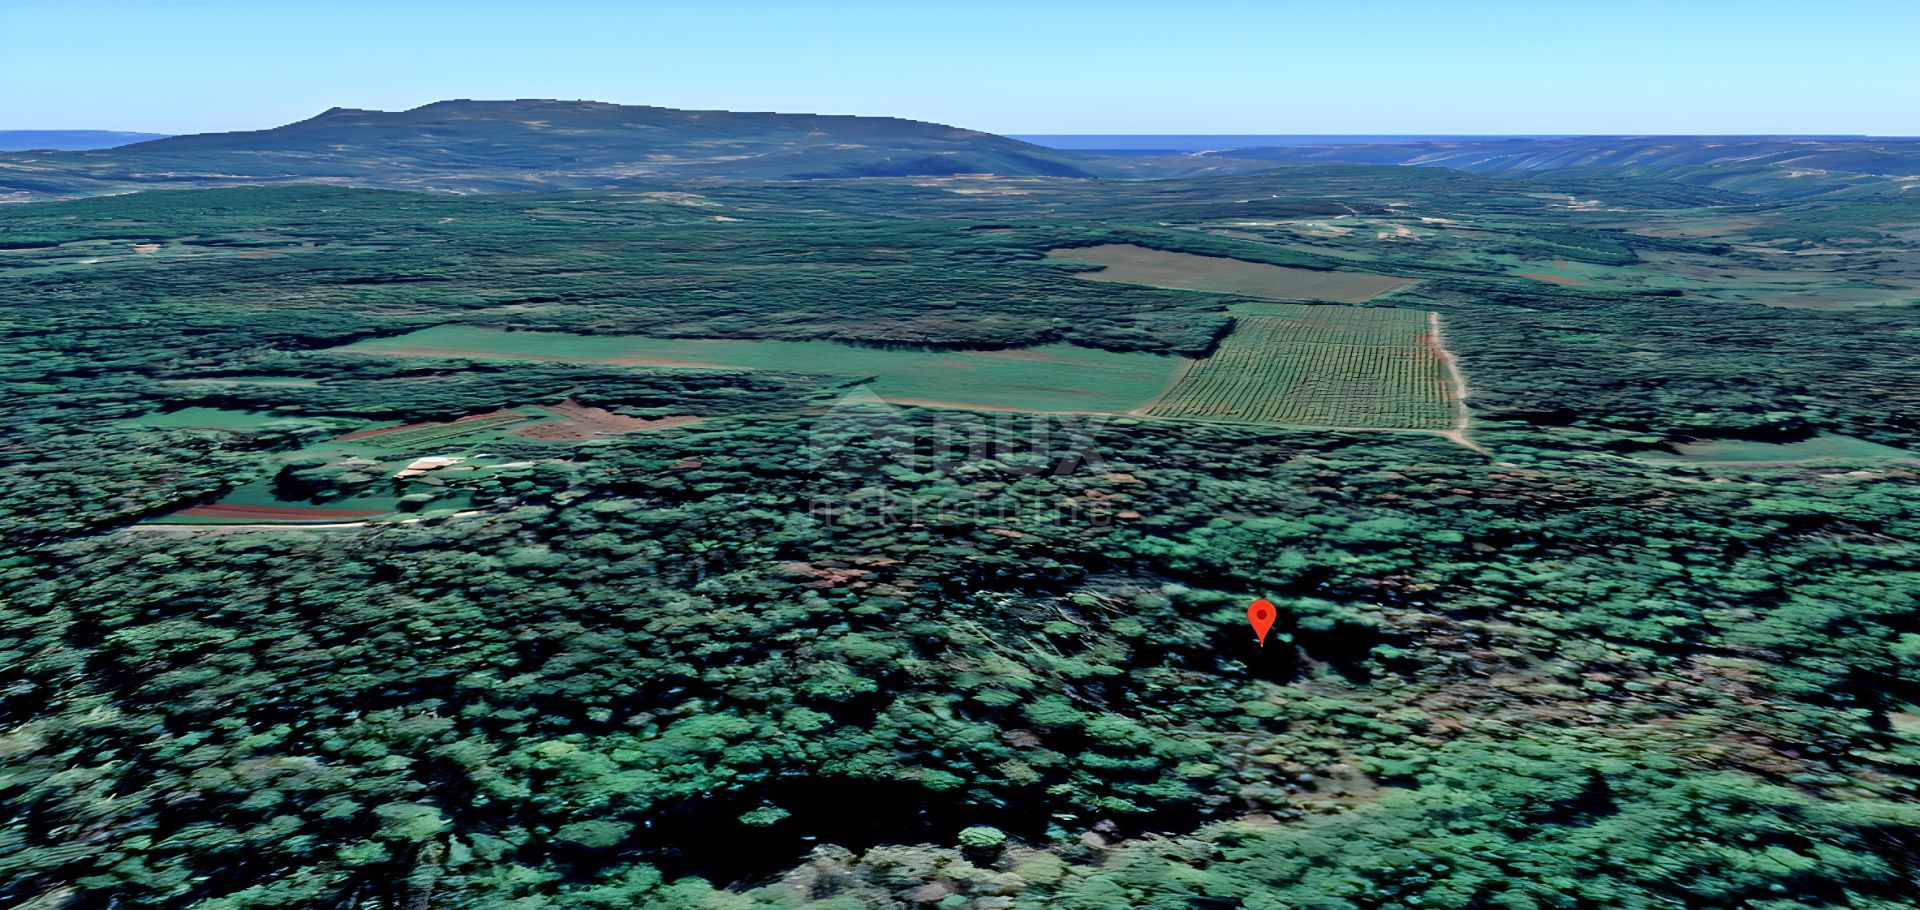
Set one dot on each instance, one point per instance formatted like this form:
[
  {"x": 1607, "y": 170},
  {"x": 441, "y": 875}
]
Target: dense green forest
[{"x": 1619, "y": 651}]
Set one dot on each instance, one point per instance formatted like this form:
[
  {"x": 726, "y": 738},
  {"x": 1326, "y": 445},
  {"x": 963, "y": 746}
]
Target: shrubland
[{"x": 803, "y": 654}]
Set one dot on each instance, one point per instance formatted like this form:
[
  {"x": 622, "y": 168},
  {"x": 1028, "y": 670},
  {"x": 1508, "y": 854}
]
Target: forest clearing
[
  {"x": 1055, "y": 377},
  {"x": 1300, "y": 365},
  {"x": 1127, "y": 263}
]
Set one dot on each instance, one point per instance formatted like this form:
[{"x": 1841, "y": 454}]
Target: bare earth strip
[
  {"x": 577, "y": 422},
  {"x": 1129, "y": 264},
  {"x": 193, "y": 530},
  {"x": 222, "y": 511},
  {"x": 1461, "y": 417}
]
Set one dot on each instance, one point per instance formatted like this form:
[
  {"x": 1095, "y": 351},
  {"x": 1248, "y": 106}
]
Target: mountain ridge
[{"x": 465, "y": 145}]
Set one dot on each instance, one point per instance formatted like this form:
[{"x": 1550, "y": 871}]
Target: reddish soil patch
[
  {"x": 668, "y": 362},
  {"x": 579, "y": 422},
  {"x": 274, "y": 513},
  {"x": 829, "y": 576},
  {"x": 1556, "y": 279}
]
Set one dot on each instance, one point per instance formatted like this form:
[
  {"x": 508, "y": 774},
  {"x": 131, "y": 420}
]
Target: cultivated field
[
  {"x": 1129, "y": 264},
  {"x": 1320, "y": 366}
]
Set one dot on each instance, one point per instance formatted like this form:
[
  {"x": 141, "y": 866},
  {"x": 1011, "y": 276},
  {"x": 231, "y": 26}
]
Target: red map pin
[{"x": 1261, "y": 614}]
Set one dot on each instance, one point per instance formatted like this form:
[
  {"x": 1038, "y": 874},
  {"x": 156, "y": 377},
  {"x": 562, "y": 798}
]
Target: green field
[
  {"x": 1823, "y": 448},
  {"x": 1319, "y": 366},
  {"x": 200, "y": 418},
  {"x": 1127, "y": 263},
  {"x": 1055, "y": 377}
]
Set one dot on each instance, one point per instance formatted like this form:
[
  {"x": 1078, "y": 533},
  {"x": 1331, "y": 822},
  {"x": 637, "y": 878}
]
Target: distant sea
[
  {"x": 68, "y": 140},
  {"x": 1201, "y": 143}
]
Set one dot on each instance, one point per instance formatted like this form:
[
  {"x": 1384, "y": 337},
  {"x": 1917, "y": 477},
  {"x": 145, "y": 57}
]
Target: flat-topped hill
[{"x": 487, "y": 146}]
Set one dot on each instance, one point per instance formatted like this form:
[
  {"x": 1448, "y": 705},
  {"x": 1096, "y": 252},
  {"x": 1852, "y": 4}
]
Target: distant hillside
[
  {"x": 493, "y": 146},
  {"x": 69, "y": 140},
  {"x": 504, "y": 146},
  {"x": 1767, "y": 165}
]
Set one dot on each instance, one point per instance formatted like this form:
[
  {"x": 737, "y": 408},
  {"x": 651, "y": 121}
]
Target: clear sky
[{"x": 1032, "y": 66}]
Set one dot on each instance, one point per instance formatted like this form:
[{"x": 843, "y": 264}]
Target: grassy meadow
[
  {"x": 1042, "y": 378},
  {"x": 1131, "y": 264},
  {"x": 1823, "y": 448}
]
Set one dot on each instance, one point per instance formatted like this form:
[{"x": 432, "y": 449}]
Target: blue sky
[{"x": 1118, "y": 66}]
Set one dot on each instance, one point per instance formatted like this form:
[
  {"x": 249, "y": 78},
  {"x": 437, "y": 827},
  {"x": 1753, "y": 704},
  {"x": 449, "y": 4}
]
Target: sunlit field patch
[
  {"x": 1056, "y": 377},
  {"x": 1829, "y": 447},
  {"x": 1130, "y": 264}
]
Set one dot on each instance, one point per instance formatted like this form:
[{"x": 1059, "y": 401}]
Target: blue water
[{"x": 1201, "y": 143}]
